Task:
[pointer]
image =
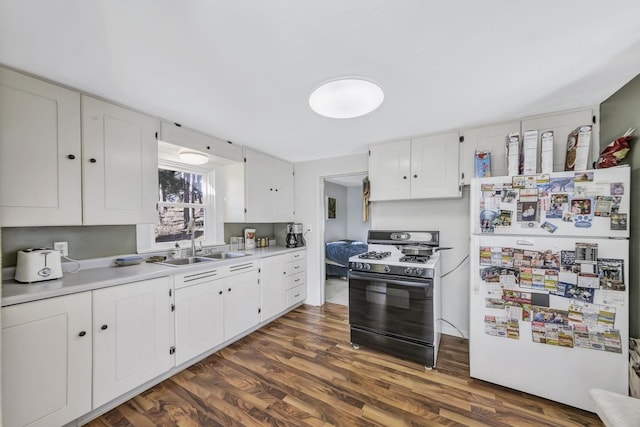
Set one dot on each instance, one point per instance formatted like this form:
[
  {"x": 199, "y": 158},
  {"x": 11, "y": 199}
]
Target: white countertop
[{"x": 101, "y": 276}]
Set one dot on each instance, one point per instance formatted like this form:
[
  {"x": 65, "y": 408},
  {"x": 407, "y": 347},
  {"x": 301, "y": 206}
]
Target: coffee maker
[{"x": 294, "y": 237}]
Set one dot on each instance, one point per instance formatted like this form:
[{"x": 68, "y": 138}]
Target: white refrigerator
[{"x": 549, "y": 283}]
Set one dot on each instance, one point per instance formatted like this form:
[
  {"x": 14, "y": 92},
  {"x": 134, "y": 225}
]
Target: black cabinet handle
[
  {"x": 92, "y": 160},
  {"x": 415, "y": 176},
  {"x": 103, "y": 327},
  {"x": 71, "y": 157},
  {"x": 82, "y": 333}
]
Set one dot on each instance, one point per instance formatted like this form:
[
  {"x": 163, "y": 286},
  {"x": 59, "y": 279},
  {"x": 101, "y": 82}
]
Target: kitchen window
[{"x": 185, "y": 193}]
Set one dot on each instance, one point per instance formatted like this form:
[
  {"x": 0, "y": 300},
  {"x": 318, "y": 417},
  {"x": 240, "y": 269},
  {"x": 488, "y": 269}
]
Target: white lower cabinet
[
  {"x": 273, "y": 286},
  {"x": 278, "y": 276},
  {"x": 132, "y": 336},
  {"x": 46, "y": 361},
  {"x": 241, "y": 303},
  {"x": 199, "y": 316}
]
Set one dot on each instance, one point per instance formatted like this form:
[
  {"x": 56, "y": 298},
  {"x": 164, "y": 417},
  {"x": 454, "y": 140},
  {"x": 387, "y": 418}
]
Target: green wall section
[
  {"x": 618, "y": 113},
  {"x": 84, "y": 242}
]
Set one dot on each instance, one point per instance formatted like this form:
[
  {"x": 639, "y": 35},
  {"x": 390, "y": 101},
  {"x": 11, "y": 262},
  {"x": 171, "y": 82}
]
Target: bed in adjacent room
[{"x": 337, "y": 255}]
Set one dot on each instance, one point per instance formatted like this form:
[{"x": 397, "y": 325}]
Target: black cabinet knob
[
  {"x": 276, "y": 190},
  {"x": 82, "y": 333},
  {"x": 415, "y": 176},
  {"x": 229, "y": 289},
  {"x": 71, "y": 157},
  {"x": 404, "y": 177},
  {"x": 220, "y": 292},
  {"x": 92, "y": 160},
  {"x": 103, "y": 327},
  {"x": 271, "y": 189}
]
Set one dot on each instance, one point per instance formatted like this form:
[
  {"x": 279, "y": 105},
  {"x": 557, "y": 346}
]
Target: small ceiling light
[
  {"x": 193, "y": 157},
  {"x": 346, "y": 98}
]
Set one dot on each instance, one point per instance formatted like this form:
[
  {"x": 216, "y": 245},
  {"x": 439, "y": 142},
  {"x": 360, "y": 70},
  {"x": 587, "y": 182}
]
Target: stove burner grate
[{"x": 374, "y": 255}]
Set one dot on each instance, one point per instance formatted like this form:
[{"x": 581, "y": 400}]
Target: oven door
[{"x": 396, "y": 305}]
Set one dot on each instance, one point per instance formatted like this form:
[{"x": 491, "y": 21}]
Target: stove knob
[
  {"x": 387, "y": 269},
  {"x": 367, "y": 267},
  {"x": 359, "y": 266},
  {"x": 408, "y": 270},
  {"x": 418, "y": 271}
]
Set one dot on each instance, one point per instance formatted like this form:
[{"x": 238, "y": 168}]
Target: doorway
[{"x": 345, "y": 232}]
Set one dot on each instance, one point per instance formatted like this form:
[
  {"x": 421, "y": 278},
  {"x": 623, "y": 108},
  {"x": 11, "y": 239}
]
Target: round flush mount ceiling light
[
  {"x": 346, "y": 97},
  {"x": 193, "y": 157}
]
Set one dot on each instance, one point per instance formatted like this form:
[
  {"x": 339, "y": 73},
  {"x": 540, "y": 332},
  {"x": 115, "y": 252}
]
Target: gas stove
[
  {"x": 395, "y": 263},
  {"x": 385, "y": 254},
  {"x": 394, "y": 298}
]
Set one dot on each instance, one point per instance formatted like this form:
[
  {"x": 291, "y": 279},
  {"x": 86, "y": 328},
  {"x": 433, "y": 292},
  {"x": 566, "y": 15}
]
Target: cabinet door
[
  {"x": 46, "y": 361},
  {"x": 259, "y": 187},
  {"x": 561, "y": 124},
  {"x": 389, "y": 171},
  {"x": 132, "y": 336},
  {"x": 241, "y": 303},
  {"x": 120, "y": 159},
  {"x": 39, "y": 153},
  {"x": 273, "y": 286},
  {"x": 283, "y": 191},
  {"x": 199, "y": 319},
  {"x": 488, "y": 138},
  {"x": 434, "y": 166}
]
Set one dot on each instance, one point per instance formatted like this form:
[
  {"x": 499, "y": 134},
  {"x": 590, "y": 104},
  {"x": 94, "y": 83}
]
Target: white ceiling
[{"x": 242, "y": 70}]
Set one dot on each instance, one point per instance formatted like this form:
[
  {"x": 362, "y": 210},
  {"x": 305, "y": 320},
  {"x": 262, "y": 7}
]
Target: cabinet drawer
[
  {"x": 296, "y": 295},
  {"x": 296, "y": 256},
  {"x": 296, "y": 280},
  {"x": 294, "y": 267}
]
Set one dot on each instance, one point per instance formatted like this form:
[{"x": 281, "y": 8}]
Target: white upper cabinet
[
  {"x": 258, "y": 190},
  {"x": 40, "y": 152},
  {"x": 120, "y": 165},
  {"x": 421, "y": 168},
  {"x": 562, "y": 124},
  {"x": 493, "y": 138},
  {"x": 54, "y": 173},
  {"x": 434, "y": 166},
  {"x": 488, "y": 138},
  {"x": 390, "y": 170}
]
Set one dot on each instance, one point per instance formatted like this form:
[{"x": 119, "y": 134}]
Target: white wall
[
  {"x": 309, "y": 195},
  {"x": 356, "y": 228},
  {"x": 450, "y": 217},
  {"x": 336, "y": 229}
]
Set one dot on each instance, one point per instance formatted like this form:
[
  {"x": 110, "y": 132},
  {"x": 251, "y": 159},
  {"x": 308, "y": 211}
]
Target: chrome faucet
[{"x": 191, "y": 229}]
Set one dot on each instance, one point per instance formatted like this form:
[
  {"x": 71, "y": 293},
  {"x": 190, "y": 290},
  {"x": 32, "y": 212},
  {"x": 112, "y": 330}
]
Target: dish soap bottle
[{"x": 175, "y": 252}]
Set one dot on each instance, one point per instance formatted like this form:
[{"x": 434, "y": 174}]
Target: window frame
[{"x": 145, "y": 233}]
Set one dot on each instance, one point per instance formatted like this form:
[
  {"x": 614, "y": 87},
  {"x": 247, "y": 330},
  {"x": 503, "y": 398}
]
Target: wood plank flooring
[{"x": 300, "y": 370}]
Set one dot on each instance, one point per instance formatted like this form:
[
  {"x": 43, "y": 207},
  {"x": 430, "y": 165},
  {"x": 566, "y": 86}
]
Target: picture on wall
[{"x": 331, "y": 208}]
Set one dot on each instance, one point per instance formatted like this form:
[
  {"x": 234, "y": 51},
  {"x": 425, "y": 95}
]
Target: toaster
[{"x": 35, "y": 265}]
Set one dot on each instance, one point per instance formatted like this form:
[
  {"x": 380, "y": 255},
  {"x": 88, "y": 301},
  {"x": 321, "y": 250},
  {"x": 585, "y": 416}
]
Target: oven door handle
[{"x": 394, "y": 280}]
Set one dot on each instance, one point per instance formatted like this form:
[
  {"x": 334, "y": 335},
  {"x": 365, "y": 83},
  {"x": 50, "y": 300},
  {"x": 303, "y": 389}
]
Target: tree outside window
[{"x": 180, "y": 195}]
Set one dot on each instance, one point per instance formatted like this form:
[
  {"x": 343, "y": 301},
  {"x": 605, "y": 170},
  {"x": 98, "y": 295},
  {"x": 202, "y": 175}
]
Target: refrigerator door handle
[{"x": 524, "y": 242}]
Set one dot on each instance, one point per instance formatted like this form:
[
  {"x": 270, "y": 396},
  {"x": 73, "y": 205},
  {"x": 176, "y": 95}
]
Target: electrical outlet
[{"x": 63, "y": 247}]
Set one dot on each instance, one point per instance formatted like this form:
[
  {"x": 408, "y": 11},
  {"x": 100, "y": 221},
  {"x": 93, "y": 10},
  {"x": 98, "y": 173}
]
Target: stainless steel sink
[
  {"x": 187, "y": 261},
  {"x": 225, "y": 255}
]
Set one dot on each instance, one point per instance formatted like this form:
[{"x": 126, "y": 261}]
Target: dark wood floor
[{"x": 300, "y": 370}]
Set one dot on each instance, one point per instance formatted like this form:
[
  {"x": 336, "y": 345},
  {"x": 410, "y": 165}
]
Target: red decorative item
[{"x": 615, "y": 151}]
